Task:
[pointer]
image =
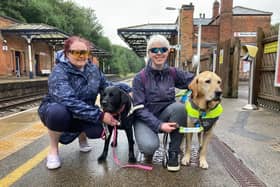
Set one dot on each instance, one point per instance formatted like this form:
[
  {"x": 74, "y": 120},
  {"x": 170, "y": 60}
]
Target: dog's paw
[
  {"x": 102, "y": 158},
  {"x": 132, "y": 160},
  {"x": 185, "y": 160},
  {"x": 131, "y": 157},
  {"x": 203, "y": 164}
]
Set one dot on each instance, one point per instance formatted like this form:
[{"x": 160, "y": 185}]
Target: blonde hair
[{"x": 157, "y": 39}]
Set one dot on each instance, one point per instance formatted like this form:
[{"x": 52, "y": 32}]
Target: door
[
  {"x": 37, "y": 65},
  {"x": 18, "y": 60}
]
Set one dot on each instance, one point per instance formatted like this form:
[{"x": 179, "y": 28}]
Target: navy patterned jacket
[{"x": 76, "y": 90}]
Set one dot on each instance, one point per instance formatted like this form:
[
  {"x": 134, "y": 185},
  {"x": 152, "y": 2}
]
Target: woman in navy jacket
[
  {"x": 154, "y": 87},
  {"x": 69, "y": 105}
]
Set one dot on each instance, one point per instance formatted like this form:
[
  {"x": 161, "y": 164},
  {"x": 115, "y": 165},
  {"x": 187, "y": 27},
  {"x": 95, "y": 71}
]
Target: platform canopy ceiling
[
  {"x": 136, "y": 36},
  {"x": 36, "y": 32}
]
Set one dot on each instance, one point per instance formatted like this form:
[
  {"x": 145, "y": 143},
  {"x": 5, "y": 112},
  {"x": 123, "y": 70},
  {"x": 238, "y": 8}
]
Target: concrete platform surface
[{"x": 253, "y": 136}]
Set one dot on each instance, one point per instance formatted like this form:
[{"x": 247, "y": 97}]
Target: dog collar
[{"x": 195, "y": 112}]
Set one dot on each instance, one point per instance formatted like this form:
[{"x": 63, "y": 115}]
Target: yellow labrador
[{"x": 203, "y": 108}]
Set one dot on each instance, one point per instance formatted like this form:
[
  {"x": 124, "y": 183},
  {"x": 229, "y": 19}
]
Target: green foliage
[
  {"x": 124, "y": 61},
  {"x": 105, "y": 43},
  {"x": 12, "y": 8},
  {"x": 275, "y": 27}
]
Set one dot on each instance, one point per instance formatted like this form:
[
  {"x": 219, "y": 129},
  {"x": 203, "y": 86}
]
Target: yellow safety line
[
  {"x": 16, "y": 141},
  {"x": 15, "y": 175}
]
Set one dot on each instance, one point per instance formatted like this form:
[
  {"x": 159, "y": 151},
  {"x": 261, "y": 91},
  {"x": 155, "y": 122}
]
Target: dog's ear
[
  {"x": 193, "y": 86},
  {"x": 124, "y": 97}
]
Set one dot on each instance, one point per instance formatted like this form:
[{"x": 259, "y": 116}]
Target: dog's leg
[
  {"x": 203, "y": 149},
  {"x": 104, "y": 154},
  {"x": 129, "y": 135},
  {"x": 187, "y": 157}
]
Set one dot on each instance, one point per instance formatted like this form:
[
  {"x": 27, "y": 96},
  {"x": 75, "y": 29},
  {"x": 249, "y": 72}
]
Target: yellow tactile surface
[
  {"x": 18, "y": 140},
  {"x": 19, "y": 130}
]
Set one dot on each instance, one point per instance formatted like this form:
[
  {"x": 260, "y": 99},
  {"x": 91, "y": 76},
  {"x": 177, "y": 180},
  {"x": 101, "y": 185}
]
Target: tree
[{"x": 275, "y": 27}]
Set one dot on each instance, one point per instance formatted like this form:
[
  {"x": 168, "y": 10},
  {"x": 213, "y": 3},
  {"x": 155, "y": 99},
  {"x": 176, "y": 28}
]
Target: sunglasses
[
  {"x": 156, "y": 50},
  {"x": 78, "y": 53}
]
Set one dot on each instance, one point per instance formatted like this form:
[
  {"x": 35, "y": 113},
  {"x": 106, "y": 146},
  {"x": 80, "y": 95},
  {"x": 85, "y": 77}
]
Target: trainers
[
  {"x": 53, "y": 162},
  {"x": 84, "y": 147},
  {"x": 173, "y": 161}
]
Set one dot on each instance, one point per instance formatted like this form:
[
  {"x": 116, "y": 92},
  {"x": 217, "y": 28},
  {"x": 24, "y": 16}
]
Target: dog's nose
[{"x": 218, "y": 94}]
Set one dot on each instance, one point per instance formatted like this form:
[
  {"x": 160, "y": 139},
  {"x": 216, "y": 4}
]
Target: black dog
[{"x": 117, "y": 102}]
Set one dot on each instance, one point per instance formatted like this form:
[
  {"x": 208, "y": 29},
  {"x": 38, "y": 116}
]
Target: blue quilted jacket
[
  {"x": 156, "y": 92},
  {"x": 75, "y": 89}
]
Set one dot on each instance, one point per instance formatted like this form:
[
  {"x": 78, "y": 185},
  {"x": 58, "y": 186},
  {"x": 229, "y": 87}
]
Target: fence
[{"x": 265, "y": 94}]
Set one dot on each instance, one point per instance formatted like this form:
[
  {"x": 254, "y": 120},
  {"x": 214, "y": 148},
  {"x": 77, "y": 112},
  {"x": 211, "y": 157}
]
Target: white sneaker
[
  {"x": 85, "y": 148},
  {"x": 53, "y": 162}
]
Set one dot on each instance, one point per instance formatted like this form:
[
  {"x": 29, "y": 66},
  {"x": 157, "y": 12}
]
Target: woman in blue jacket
[
  {"x": 154, "y": 87},
  {"x": 69, "y": 105}
]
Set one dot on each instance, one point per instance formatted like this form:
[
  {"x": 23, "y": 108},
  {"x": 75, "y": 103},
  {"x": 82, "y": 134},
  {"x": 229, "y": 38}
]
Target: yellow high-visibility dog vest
[
  {"x": 208, "y": 118},
  {"x": 195, "y": 113}
]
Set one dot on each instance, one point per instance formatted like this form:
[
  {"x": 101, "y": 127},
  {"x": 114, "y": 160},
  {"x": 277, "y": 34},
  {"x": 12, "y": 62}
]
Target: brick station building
[
  {"x": 226, "y": 22},
  {"x": 28, "y": 50}
]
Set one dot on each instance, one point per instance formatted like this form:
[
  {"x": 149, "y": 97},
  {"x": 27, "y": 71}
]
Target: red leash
[{"x": 139, "y": 166}]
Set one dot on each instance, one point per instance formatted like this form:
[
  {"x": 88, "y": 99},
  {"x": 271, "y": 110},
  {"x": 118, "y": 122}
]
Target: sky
[{"x": 115, "y": 14}]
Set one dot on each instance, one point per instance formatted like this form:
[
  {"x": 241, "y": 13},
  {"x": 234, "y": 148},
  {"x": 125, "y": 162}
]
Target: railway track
[{"x": 10, "y": 105}]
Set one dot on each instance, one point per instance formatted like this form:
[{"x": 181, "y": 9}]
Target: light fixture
[{"x": 4, "y": 45}]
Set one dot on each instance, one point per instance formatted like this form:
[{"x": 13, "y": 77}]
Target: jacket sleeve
[
  {"x": 183, "y": 78},
  {"x": 62, "y": 92},
  {"x": 139, "y": 98}
]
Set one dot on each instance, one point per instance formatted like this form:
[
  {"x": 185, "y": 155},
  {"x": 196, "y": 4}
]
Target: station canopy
[
  {"x": 136, "y": 36},
  {"x": 36, "y": 32},
  {"x": 44, "y": 32}
]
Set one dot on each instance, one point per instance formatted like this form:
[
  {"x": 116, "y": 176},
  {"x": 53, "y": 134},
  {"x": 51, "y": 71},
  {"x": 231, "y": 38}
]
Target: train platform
[
  {"x": 251, "y": 135},
  {"x": 10, "y": 79}
]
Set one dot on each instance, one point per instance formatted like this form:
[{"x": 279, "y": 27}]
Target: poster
[
  {"x": 277, "y": 64},
  {"x": 221, "y": 56},
  {"x": 246, "y": 66}
]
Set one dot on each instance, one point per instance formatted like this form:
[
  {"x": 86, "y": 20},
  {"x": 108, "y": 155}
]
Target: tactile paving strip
[{"x": 18, "y": 140}]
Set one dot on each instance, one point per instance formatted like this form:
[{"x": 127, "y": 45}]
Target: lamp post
[{"x": 177, "y": 63}]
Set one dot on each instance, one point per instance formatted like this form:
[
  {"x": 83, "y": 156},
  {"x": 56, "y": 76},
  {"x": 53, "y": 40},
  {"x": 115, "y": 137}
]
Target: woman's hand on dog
[
  {"x": 109, "y": 119},
  {"x": 168, "y": 126}
]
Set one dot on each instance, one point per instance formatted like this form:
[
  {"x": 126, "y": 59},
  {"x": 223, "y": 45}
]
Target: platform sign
[{"x": 277, "y": 64}]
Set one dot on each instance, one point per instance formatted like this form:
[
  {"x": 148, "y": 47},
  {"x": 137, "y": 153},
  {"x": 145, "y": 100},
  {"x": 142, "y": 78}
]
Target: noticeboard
[{"x": 221, "y": 56}]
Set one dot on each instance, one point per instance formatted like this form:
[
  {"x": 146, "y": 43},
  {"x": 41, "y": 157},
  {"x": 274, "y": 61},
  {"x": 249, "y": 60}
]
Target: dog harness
[{"x": 204, "y": 119}]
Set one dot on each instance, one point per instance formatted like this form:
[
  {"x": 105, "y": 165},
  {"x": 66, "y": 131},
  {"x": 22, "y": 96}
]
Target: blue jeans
[
  {"x": 56, "y": 117},
  {"x": 148, "y": 140}
]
